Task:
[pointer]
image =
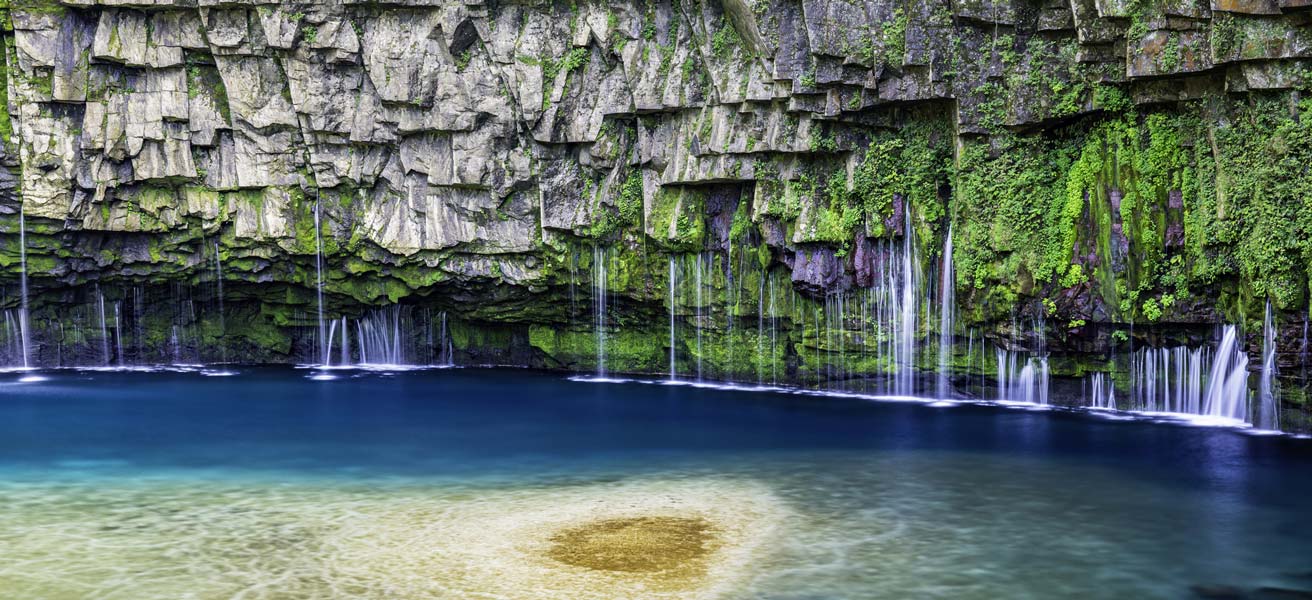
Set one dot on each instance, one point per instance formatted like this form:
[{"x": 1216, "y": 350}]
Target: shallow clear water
[{"x": 453, "y": 484}]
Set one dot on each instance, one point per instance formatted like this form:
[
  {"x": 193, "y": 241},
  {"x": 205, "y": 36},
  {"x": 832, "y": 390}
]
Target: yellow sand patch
[{"x": 653, "y": 539}]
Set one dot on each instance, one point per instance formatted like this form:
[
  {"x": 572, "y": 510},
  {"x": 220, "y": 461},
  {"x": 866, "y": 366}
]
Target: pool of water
[{"x": 470, "y": 483}]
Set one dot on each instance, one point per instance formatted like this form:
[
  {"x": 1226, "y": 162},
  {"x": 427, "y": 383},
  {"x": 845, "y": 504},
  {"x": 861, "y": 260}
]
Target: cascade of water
[
  {"x": 970, "y": 353},
  {"x": 1203, "y": 381},
  {"x": 599, "y": 259},
  {"x": 1104, "y": 391},
  {"x": 175, "y": 346},
  {"x": 1043, "y": 383},
  {"x": 906, "y": 357},
  {"x": 844, "y": 373},
  {"x": 1268, "y": 408},
  {"x": 1022, "y": 378},
  {"x": 774, "y": 337},
  {"x": 674, "y": 372},
  {"x": 23, "y": 319},
  {"x": 346, "y": 343},
  {"x": 697, "y": 282},
  {"x": 218, "y": 283},
  {"x": 825, "y": 324},
  {"x": 13, "y": 342},
  {"x": 118, "y": 332},
  {"x": 104, "y": 329},
  {"x": 1025, "y": 384},
  {"x": 446, "y": 352},
  {"x": 732, "y": 292},
  {"x": 318, "y": 267},
  {"x": 378, "y": 335},
  {"x": 1227, "y": 393},
  {"x": 1006, "y": 363},
  {"x": 947, "y": 302},
  {"x": 760, "y": 331},
  {"x": 1167, "y": 379},
  {"x": 332, "y": 334}
]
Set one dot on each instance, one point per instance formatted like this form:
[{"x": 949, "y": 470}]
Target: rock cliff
[{"x": 1123, "y": 171}]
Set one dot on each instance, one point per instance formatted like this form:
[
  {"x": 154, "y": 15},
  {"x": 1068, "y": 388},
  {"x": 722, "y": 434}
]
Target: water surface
[{"x": 456, "y": 484}]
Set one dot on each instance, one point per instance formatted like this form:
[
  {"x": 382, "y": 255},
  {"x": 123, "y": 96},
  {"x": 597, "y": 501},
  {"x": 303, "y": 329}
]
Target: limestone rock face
[{"x": 479, "y": 145}]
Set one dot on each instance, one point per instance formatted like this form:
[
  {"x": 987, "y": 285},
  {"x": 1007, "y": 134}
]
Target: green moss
[
  {"x": 893, "y": 33},
  {"x": 725, "y": 40},
  {"x": 6, "y": 125},
  {"x": 552, "y": 68}
]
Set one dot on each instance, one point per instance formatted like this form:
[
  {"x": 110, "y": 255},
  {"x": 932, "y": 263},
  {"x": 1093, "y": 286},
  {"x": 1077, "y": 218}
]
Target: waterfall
[
  {"x": 23, "y": 320},
  {"x": 1004, "y": 369},
  {"x": 674, "y": 373},
  {"x": 1104, "y": 391},
  {"x": 218, "y": 282},
  {"x": 1022, "y": 378},
  {"x": 1168, "y": 379},
  {"x": 906, "y": 355},
  {"x": 118, "y": 332},
  {"x": 1210, "y": 382},
  {"x": 947, "y": 302},
  {"x": 332, "y": 333},
  {"x": 104, "y": 329},
  {"x": 1268, "y": 408},
  {"x": 346, "y": 344},
  {"x": 1227, "y": 386},
  {"x": 599, "y": 257},
  {"x": 760, "y": 331},
  {"x": 887, "y": 313},
  {"x": 378, "y": 335},
  {"x": 697, "y": 282},
  {"x": 318, "y": 268},
  {"x": 731, "y": 296},
  {"x": 774, "y": 337},
  {"x": 175, "y": 346},
  {"x": 446, "y": 351}
]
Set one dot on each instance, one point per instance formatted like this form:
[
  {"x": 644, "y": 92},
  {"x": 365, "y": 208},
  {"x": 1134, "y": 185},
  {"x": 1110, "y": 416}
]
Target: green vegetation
[
  {"x": 893, "y": 36},
  {"x": 552, "y": 68}
]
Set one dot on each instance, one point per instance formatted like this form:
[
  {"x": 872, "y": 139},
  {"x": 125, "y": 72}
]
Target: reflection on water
[{"x": 466, "y": 484}]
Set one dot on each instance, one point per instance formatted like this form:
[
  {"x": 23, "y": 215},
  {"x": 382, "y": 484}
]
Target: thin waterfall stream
[
  {"x": 318, "y": 268},
  {"x": 947, "y": 300},
  {"x": 1268, "y": 413},
  {"x": 24, "y": 323},
  {"x": 600, "y": 255},
  {"x": 674, "y": 371},
  {"x": 218, "y": 284}
]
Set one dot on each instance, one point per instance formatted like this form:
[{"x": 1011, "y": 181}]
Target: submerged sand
[{"x": 651, "y": 538}]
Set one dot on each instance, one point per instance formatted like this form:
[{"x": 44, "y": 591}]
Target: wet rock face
[{"x": 459, "y": 154}]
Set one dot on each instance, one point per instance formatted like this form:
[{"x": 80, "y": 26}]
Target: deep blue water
[{"x": 1159, "y": 507}]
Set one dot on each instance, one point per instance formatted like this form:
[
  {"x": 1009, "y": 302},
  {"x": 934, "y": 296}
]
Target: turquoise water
[{"x": 453, "y": 484}]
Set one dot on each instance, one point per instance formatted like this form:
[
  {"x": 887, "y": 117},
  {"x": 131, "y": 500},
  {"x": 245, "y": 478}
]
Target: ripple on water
[{"x": 694, "y": 538}]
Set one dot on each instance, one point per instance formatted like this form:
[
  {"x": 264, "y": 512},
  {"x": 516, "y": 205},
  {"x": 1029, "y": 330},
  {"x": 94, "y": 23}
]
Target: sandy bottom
[{"x": 690, "y": 538}]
